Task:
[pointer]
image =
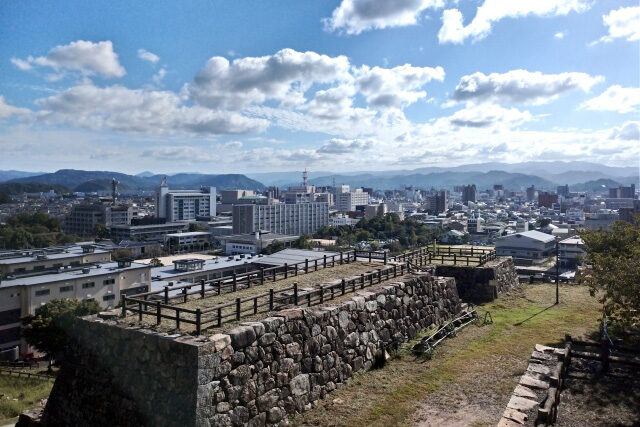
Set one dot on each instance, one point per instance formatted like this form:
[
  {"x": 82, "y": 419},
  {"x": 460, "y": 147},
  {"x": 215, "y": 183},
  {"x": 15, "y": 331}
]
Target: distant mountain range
[
  {"x": 580, "y": 176},
  {"x": 544, "y": 175},
  {"x": 81, "y": 180}
]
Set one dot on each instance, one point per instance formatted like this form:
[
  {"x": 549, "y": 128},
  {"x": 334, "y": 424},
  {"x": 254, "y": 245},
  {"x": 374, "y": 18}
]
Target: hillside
[
  {"x": 17, "y": 188},
  {"x": 598, "y": 185},
  {"x": 96, "y": 185},
  {"x": 8, "y": 175},
  {"x": 438, "y": 180},
  {"x": 76, "y": 178}
]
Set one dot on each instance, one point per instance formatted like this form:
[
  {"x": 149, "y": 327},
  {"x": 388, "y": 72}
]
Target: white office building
[
  {"x": 347, "y": 201},
  {"x": 282, "y": 218},
  {"x": 185, "y": 205}
]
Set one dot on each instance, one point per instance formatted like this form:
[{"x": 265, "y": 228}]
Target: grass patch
[
  {"x": 20, "y": 393},
  {"x": 471, "y": 376}
]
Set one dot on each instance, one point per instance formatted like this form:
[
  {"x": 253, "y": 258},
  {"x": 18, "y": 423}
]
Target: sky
[{"x": 257, "y": 86}]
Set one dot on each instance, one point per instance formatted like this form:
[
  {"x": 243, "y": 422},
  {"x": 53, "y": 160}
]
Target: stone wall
[
  {"x": 482, "y": 284},
  {"x": 254, "y": 374}
]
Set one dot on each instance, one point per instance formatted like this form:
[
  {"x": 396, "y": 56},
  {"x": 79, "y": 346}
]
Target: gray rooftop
[
  {"x": 293, "y": 256},
  {"x": 70, "y": 274}
]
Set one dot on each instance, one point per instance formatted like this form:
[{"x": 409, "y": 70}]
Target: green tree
[
  {"x": 613, "y": 270},
  {"x": 196, "y": 227},
  {"x": 48, "y": 329},
  {"x": 155, "y": 262},
  {"x": 273, "y": 247},
  {"x": 101, "y": 231},
  {"x": 543, "y": 222},
  {"x": 303, "y": 242}
]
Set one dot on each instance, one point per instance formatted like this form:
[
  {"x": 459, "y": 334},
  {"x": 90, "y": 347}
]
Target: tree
[
  {"x": 155, "y": 262},
  {"x": 273, "y": 247},
  {"x": 101, "y": 231},
  {"x": 303, "y": 242},
  {"x": 48, "y": 329},
  {"x": 613, "y": 272},
  {"x": 196, "y": 227},
  {"x": 543, "y": 222}
]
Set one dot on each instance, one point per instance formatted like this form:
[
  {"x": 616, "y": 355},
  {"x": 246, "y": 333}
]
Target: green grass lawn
[
  {"x": 471, "y": 377},
  {"x": 20, "y": 393}
]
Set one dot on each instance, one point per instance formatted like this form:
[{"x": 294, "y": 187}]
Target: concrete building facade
[{"x": 282, "y": 218}]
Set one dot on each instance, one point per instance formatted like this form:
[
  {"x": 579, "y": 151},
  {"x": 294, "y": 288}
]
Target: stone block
[{"x": 242, "y": 336}]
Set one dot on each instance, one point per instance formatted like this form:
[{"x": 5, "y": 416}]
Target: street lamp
[{"x": 557, "y": 270}]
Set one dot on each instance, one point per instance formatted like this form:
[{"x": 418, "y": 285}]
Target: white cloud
[
  {"x": 356, "y": 16},
  {"x": 629, "y": 131},
  {"x": 186, "y": 154},
  {"x": 520, "y": 86},
  {"x": 159, "y": 76},
  {"x": 344, "y": 146},
  {"x": 622, "y": 23},
  {"x": 395, "y": 87},
  {"x": 489, "y": 115},
  {"x": 245, "y": 81},
  {"x": 87, "y": 57},
  {"x": 145, "y": 55},
  {"x": 7, "y": 110},
  {"x": 453, "y": 29},
  {"x": 21, "y": 64},
  {"x": 560, "y": 35},
  {"x": 120, "y": 109},
  {"x": 615, "y": 98}
]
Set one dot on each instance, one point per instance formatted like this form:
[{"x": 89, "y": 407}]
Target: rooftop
[{"x": 70, "y": 274}]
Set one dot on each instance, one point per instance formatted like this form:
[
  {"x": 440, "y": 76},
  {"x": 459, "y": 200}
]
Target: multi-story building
[
  {"x": 83, "y": 219},
  {"x": 437, "y": 203},
  {"x": 563, "y": 190},
  {"x": 623, "y": 192},
  {"x": 119, "y": 215},
  {"x": 185, "y": 205},
  {"x": 570, "y": 252},
  {"x": 43, "y": 260},
  {"x": 468, "y": 194},
  {"x": 341, "y": 219},
  {"x": 154, "y": 232},
  {"x": 372, "y": 211},
  {"x": 547, "y": 200},
  {"x": 282, "y": 218},
  {"x": 348, "y": 201},
  {"x": 104, "y": 283},
  {"x": 189, "y": 241},
  {"x": 531, "y": 193}
]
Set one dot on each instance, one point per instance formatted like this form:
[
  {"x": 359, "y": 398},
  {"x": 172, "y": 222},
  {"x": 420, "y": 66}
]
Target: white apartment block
[
  {"x": 283, "y": 218},
  {"x": 185, "y": 205}
]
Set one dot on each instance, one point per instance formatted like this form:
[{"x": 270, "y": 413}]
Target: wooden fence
[
  {"x": 166, "y": 303},
  {"x": 260, "y": 303},
  {"x": 27, "y": 374}
]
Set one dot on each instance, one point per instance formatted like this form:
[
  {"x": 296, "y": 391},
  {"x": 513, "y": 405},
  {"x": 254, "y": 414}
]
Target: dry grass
[{"x": 471, "y": 377}]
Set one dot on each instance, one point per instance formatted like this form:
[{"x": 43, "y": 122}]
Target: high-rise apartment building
[
  {"x": 281, "y": 218},
  {"x": 185, "y": 205},
  {"x": 563, "y": 190},
  {"x": 531, "y": 193},
  {"x": 468, "y": 194},
  {"x": 623, "y": 192}
]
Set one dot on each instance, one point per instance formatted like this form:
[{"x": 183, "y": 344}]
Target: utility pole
[{"x": 557, "y": 271}]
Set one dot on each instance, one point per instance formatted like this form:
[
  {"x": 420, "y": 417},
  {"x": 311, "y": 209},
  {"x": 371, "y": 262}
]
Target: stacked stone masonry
[
  {"x": 482, "y": 284},
  {"x": 535, "y": 399},
  {"x": 255, "y": 374}
]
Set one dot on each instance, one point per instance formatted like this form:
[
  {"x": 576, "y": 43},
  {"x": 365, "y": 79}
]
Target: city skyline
[{"x": 332, "y": 86}]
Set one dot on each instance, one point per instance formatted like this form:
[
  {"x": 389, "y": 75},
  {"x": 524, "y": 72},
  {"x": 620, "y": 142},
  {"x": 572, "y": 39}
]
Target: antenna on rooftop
[
  {"x": 304, "y": 177},
  {"x": 114, "y": 189}
]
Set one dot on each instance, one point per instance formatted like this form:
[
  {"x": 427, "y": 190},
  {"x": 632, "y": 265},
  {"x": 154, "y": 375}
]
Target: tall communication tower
[
  {"x": 304, "y": 177},
  {"x": 114, "y": 189}
]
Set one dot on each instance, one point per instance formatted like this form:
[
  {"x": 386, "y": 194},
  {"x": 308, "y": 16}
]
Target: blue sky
[{"x": 249, "y": 86}]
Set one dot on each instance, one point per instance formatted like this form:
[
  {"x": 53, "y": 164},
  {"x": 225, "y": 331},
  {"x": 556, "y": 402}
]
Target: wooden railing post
[
  {"x": 124, "y": 305},
  {"x": 295, "y": 293},
  {"x": 219, "y": 316},
  {"x": 255, "y": 305},
  {"x": 306, "y": 265},
  {"x": 158, "y": 313},
  {"x": 238, "y": 302},
  {"x": 369, "y": 256},
  {"x": 198, "y": 321},
  {"x": 166, "y": 295},
  {"x": 235, "y": 282},
  {"x": 177, "y": 318},
  {"x": 295, "y": 269},
  {"x": 271, "y": 299},
  {"x": 385, "y": 258},
  {"x": 286, "y": 270},
  {"x": 316, "y": 264},
  {"x": 184, "y": 294},
  {"x": 202, "y": 288},
  {"x": 140, "y": 311},
  {"x": 455, "y": 262},
  {"x": 340, "y": 258},
  {"x": 325, "y": 262},
  {"x": 362, "y": 281},
  {"x": 262, "y": 275},
  {"x": 343, "y": 286}
]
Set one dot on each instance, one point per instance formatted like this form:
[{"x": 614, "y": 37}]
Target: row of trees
[
  {"x": 35, "y": 230},
  {"x": 401, "y": 234}
]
